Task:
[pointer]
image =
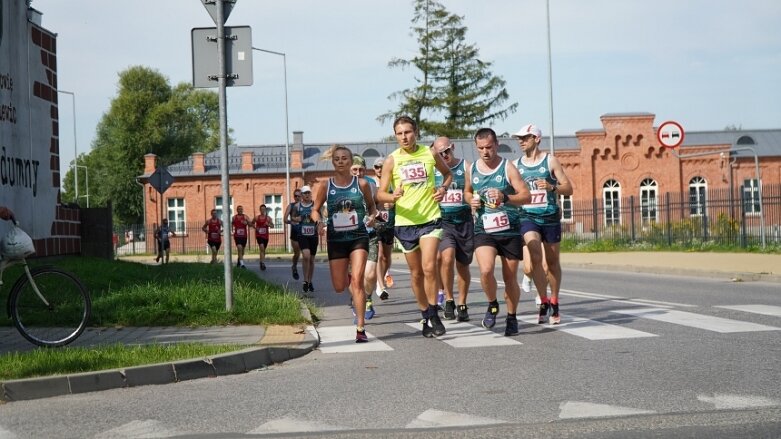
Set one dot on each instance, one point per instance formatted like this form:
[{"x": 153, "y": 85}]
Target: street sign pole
[{"x": 227, "y": 262}]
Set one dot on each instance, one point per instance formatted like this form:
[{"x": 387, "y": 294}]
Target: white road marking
[
  {"x": 767, "y": 310},
  {"x": 437, "y": 418},
  {"x": 730, "y": 401},
  {"x": 576, "y": 409},
  {"x": 699, "y": 321},
  {"x": 292, "y": 425},
  {"x": 576, "y": 293},
  {"x": 589, "y": 329},
  {"x": 341, "y": 339},
  {"x": 465, "y": 335},
  {"x": 150, "y": 428},
  {"x": 5, "y": 434}
]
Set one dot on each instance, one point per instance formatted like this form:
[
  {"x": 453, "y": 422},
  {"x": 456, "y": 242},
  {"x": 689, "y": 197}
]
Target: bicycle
[{"x": 49, "y": 306}]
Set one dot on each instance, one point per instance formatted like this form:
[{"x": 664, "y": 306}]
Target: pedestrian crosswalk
[{"x": 466, "y": 335}]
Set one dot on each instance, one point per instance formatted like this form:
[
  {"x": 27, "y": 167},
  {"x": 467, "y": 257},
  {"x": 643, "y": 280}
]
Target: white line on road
[
  {"x": 464, "y": 335},
  {"x": 767, "y": 310},
  {"x": 341, "y": 339},
  {"x": 699, "y": 321},
  {"x": 577, "y": 409},
  {"x": 436, "y": 418},
  {"x": 590, "y": 329}
]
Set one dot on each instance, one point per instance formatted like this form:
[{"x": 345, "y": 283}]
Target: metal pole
[
  {"x": 550, "y": 78},
  {"x": 224, "y": 165},
  {"x": 75, "y": 148},
  {"x": 287, "y": 139}
]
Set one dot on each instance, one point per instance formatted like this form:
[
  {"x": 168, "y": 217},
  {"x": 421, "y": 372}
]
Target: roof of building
[{"x": 273, "y": 159}]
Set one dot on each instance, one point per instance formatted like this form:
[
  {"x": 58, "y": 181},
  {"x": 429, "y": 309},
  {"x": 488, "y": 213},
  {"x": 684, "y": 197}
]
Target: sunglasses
[
  {"x": 378, "y": 167},
  {"x": 296, "y": 195},
  {"x": 447, "y": 151}
]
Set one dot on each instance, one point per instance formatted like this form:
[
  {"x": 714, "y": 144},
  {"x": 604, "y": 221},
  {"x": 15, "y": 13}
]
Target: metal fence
[
  {"x": 719, "y": 217},
  {"x": 714, "y": 217}
]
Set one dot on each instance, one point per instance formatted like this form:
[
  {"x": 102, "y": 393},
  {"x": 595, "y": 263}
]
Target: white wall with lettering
[{"x": 27, "y": 129}]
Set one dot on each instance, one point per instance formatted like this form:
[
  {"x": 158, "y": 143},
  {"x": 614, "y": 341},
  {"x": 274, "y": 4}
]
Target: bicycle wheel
[{"x": 58, "y": 315}]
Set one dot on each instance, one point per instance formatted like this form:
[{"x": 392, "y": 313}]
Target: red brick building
[{"x": 621, "y": 159}]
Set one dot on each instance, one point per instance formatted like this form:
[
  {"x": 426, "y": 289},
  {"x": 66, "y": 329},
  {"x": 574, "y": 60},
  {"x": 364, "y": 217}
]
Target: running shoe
[
  {"x": 369, "y": 310},
  {"x": 384, "y": 295},
  {"x": 463, "y": 315},
  {"x": 311, "y": 288},
  {"x": 295, "y": 273},
  {"x": 555, "y": 318},
  {"x": 511, "y": 327},
  {"x": 436, "y": 324},
  {"x": 428, "y": 331},
  {"x": 360, "y": 336},
  {"x": 388, "y": 280},
  {"x": 440, "y": 298},
  {"x": 490, "y": 316},
  {"x": 542, "y": 316},
  {"x": 526, "y": 284},
  {"x": 262, "y": 266},
  {"x": 305, "y": 288},
  {"x": 450, "y": 310}
]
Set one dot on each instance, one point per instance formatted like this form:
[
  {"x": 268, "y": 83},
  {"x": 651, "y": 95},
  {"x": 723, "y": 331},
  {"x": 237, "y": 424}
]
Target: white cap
[
  {"x": 379, "y": 161},
  {"x": 305, "y": 189},
  {"x": 528, "y": 129}
]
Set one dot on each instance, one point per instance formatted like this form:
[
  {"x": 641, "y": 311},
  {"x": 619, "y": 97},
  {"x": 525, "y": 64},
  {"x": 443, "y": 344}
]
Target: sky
[{"x": 706, "y": 64}]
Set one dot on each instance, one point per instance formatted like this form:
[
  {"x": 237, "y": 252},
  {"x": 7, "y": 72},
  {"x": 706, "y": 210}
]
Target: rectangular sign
[{"x": 238, "y": 56}]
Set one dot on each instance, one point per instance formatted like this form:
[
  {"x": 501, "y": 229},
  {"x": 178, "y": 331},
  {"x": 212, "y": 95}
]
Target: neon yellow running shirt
[{"x": 414, "y": 172}]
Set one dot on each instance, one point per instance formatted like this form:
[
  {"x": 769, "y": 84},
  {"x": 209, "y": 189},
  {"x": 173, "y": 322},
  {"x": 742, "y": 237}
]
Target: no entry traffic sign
[{"x": 670, "y": 134}]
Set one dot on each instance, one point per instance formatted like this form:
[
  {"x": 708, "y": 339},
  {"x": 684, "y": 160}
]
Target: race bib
[
  {"x": 383, "y": 215},
  {"x": 262, "y": 230},
  {"x": 453, "y": 198},
  {"x": 539, "y": 199},
  {"x": 308, "y": 229},
  {"x": 241, "y": 233},
  {"x": 496, "y": 222},
  {"x": 413, "y": 173},
  {"x": 214, "y": 236},
  {"x": 345, "y": 221}
]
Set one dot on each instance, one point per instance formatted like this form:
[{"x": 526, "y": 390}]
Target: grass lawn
[{"x": 132, "y": 294}]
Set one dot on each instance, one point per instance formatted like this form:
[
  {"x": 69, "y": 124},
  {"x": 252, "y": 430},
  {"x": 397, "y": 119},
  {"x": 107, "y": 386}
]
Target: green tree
[
  {"x": 146, "y": 116},
  {"x": 456, "y": 91}
]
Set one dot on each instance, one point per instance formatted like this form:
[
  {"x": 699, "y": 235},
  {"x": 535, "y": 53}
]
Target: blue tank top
[
  {"x": 501, "y": 220},
  {"x": 544, "y": 207},
  {"x": 307, "y": 227},
  {"x": 455, "y": 210},
  {"x": 346, "y": 212}
]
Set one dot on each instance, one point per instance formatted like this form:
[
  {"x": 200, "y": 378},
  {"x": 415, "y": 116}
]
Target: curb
[
  {"x": 713, "y": 274},
  {"x": 232, "y": 363}
]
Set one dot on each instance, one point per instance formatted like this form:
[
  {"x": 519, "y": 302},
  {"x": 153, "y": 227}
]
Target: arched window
[
  {"x": 371, "y": 153},
  {"x": 504, "y": 148},
  {"x": 698, "y": 190},
  {"x": 746, "y": 140},
  {"x": 648, "y": 201},
  {"x": 611, "y": 198}
]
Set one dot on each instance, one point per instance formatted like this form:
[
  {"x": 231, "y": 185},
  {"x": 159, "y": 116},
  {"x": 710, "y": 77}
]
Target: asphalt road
[{"x": 637, "y": 355}]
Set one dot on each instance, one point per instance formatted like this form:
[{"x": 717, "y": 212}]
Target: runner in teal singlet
[
  {"x": 350, "y": 209},
  {"x": 494, "y": 184}
]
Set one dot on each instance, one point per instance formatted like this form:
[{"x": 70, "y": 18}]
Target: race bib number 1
[
  {"x": 345, "y": 221},
  {"x": 496, "y": 222}
]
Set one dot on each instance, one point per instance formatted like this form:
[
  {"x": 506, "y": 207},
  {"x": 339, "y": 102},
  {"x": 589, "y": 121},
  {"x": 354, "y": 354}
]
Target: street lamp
[
  {"x": 550, "y": 76},
  {"x": 75, "y": 147},
  {"x": 86, "y": 182},
  {"x": 287, "y": 133}
]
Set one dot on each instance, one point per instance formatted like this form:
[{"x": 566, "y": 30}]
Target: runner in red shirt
[
  {"x": 262, "y": 224},
  {"x": 213, "y": 230},
  {"x": 240, "y": 225}
]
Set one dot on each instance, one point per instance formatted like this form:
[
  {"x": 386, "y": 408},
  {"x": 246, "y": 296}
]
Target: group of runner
[
  {"x": 443, "y": 210},
  {"x": 240, "y": 225}
]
